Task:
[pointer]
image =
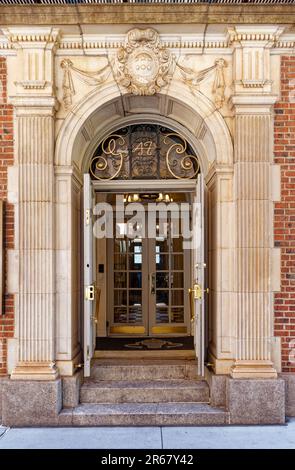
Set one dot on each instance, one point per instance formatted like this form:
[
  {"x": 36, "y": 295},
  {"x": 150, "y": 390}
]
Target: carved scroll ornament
[{"x": 143, "y": 65}]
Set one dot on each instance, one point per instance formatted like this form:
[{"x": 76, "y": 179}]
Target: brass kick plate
[
  {"x": 127, "y": 330},
  {"x": 165, "y": 330}
]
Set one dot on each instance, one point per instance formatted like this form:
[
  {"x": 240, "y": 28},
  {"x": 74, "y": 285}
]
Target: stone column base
[
  {"x": 256, "y": 401},
  {"x": 253, "y": 369},
  {"x": 31, "y": 403},
  {"x": 35, "y": 371}
]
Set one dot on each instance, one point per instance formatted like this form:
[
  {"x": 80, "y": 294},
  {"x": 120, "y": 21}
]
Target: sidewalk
[{"x": 230, "y": 437}]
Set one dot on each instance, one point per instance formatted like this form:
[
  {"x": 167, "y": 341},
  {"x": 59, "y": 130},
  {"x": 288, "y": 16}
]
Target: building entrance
[
  {"x": 149, "y": 274},
  {"x": 143, "y": 238}
]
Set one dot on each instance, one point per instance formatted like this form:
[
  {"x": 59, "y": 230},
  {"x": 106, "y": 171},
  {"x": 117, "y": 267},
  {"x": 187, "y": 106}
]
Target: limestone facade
[{"x": 68, "y": 88}]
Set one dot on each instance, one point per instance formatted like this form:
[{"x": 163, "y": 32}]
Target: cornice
[
  {"x": 100, "y": 44},
  {"x": 152, "y": 14},
  {"x": 18, "y": 37}
]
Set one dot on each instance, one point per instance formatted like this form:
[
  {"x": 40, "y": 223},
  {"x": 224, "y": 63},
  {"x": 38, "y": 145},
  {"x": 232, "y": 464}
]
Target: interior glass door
[
  {"x": 148, "y": 282},
  {"x": 129, "y": 311},
  {"x": 168, "y": 300}
]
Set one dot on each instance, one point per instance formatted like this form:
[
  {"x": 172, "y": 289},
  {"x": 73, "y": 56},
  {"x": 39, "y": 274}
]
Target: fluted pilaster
[
  {"x": 253, "y": 207},
  {"x": 34, "y": 159}
]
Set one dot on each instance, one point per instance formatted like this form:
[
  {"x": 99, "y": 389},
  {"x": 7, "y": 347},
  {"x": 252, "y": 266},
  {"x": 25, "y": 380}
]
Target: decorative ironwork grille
[{"x": 144, "y": 151}]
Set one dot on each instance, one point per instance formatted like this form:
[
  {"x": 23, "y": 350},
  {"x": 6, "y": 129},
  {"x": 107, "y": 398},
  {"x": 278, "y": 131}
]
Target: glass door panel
[
  {"x": 166, "y": 261},
  {"x": 149, "y": 280},
  {"x": 128, "y": 315}
]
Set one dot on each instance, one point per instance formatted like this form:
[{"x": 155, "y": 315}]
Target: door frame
[
  {"x": 129, "y": 186},
  {"x": 119, "y": 186},
  {"x": 188, "y": 186}
]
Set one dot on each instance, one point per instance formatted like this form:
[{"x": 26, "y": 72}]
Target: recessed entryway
[{"x": 143, "y": 242}]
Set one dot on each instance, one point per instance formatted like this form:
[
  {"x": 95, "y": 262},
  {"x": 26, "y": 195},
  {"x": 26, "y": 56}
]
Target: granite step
[
  {"x": 142, "y": 391},
  {"x": 143, "y": 414},
  {"x": 143, "y": 369}
]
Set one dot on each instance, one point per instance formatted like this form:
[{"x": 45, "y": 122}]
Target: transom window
[{"x": 144, "y": 151}]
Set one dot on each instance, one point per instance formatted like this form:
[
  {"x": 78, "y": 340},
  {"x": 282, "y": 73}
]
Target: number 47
[{"x": 144, "y": 147}]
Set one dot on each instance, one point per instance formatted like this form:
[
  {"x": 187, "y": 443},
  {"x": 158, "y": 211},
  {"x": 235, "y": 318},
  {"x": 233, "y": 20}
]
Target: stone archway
[
  {"x": 97, "y": 114},
  {"x": 105, "y": 108}
]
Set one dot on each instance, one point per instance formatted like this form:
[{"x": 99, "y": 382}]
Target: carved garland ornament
[
  {"x": 95, "y": 78},
  {"x": 143, "y": 65},
  {"x": 193, "y": 79}
]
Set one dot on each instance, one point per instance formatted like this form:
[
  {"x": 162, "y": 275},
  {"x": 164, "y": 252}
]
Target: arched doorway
[
  {"x": 97, "y": 116},
  {"x": 145, "y": 248}
]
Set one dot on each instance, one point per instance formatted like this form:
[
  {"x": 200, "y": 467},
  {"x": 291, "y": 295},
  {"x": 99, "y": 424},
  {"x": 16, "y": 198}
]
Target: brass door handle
[
  {"x": 197, "y": 291},
  {"x": 152, "y": 283}
]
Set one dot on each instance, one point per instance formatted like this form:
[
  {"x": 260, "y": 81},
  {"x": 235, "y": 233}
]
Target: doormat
[
  {"x": 154, "y": 343},
  {"x": 123, "y": 344}
]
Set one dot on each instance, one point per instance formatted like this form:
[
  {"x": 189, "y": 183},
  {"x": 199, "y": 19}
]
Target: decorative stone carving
[
  {"x": 34, "y": 122},
  {"x": 143, "y": 65},
  {"x": 193, "y": 79},
  {"x": 95, "y": 78},
  {"x": 251, "y": 52},
  {"x": 35, "y": 50}
]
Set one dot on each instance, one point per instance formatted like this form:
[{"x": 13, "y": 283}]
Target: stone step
[
  {"x": 152, "y": 391},
  {"x": 184, "y": 354},
  {"x": 143, "y": 370},
  {"x": 143, "y": 414}
]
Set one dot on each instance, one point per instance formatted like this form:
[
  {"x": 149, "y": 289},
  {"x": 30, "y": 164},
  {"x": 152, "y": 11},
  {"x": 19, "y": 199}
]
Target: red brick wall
[
  {"x": 284, "y": 220},
  {"x": 6, "y": 159}
]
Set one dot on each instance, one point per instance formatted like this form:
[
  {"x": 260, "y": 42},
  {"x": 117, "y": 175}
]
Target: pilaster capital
[
  {"x": 254, "y": 35},
  {"x": 252, "y": 66},
  {"x": 252, "y": 104},
  {"x": 35, "y": 47},
  {"x": 31, "y": 105},
  {"x": 36, "y": 37},
  {"x": 216, "y": 170}
]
